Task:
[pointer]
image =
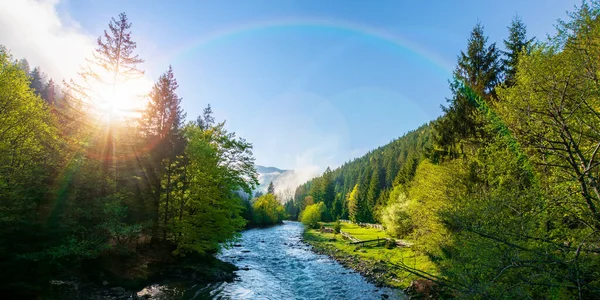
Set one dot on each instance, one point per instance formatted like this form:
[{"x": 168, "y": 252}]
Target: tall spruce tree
[
  {"x": 50, "y": 92},
  {"x": 271, "y": 189},
  {"x": 160, "y": 127},
  {"x": 479, "y": 70},
  {"x": 206, "y": 120},
  {"x": 113, "y": 63},
  {"x": 516, "y": 44},
  {"x": 36, "y": 81},
  {"x": 479, "y": 67}
]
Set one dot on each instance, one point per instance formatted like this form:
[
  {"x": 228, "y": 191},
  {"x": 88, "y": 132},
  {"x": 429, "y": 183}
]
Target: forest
[
  {"x": 84, "y": 184},
  {"x": 502, "y": 191}
]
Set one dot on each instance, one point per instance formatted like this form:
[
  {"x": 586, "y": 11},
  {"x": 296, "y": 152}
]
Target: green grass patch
[{"x": 373, "y": 256}]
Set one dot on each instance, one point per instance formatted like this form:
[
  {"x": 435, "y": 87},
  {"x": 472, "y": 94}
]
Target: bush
[
  {"x": 395, "y": 217},
  {"x": 311, "y": 216},
  {"x": 390, "y": 244},
  {"x": 266, "y": 210},
  {"x": 337, "y": 227}
]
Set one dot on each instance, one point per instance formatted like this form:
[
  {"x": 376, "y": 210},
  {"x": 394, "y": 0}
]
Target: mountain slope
[
  {"x": 373, "y": 174},
  {"x": 267, "y": 175}
]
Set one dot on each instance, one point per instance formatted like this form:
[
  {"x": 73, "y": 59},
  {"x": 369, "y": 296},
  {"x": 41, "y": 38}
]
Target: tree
[
  {"x": 113, "y": 63},
  {"x": 554, "y": 112},
  {"x": 30, "y": 164},
  {"x": 312, "y": 215},
  {"x": 308, "y": 200},
  {"x": 206, "y": 120},
  {"x": 395, "y": 216},
  {"x": 23, "y": 65},
  {"x": 479, "y": 67},
  {"x": 160, "y": 127},
  {"x": 266, "y": 210},
  {"x": 219, "y": 166},
  {"x": 327, "y": 185},
  {"x": 374, "y": 189},
  {"x": 479, "y": 70},
  {"x": 37, "y": 81},
  {"x": 271, "y": 189},
  {"x": 516, "y": 45},
  {"x": 353, "y": 205},
  {"x": 49, "y": 93}
]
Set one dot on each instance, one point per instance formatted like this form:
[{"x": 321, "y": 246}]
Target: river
[{"x": 275, "y": 264}]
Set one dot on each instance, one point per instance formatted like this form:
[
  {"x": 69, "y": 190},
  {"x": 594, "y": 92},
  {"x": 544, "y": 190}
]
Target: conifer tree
[
  {"x": 49, "y": 92},
  {"x": 206, "y": 120},
  {"x": 516, "y": 44},
  {"x": 271, "y": 189},
  {"x": 160, "y": 126},
  {"x": 113, "y": 63},
  {"x": 36, "y": 81},
  {"x": 478, "y": 69}
]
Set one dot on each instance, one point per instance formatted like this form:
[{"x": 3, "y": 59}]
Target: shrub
[
  {"x": 311, "y": 216},
  {"x": 266, "y": 210},
  {"x": 337, "y": 226},
  {"x": 395, "y": 217}
]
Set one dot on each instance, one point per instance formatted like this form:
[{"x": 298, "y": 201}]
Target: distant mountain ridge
[{"x": 267, "y": 175}]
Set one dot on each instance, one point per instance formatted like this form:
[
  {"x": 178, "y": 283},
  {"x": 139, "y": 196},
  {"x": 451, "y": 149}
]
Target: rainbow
[{"x": 228, "y": 33}]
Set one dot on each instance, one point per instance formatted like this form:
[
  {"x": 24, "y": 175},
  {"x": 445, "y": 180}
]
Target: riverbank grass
[{"x": 379, "y": 264}]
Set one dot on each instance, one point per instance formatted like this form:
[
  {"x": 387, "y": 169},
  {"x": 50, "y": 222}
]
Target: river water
[{"x": 275, "y": 264}]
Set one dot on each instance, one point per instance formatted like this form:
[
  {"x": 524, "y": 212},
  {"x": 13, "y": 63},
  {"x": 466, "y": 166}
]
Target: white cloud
[{"x": 36, "y": 31}]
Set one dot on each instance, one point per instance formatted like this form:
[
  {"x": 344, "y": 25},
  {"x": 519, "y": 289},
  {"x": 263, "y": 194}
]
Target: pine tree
[
  {"x": 36, "y": 82},
  {"x": 479, "y": 70},
  {"x": 271, "y": 189},
  {"x": 24, "y": 65},
  {"x": 517, "y": 43},
  {"x": 113, "y": 63},
  {"x": 49, "y": 92},
  {"x": 160, "y": 126},
  {"x": 206, "y": 120},
  {"x": 115, "y": 53},
  {"x": 163, "y": 117},
  {"x": 374, "y": 189}
]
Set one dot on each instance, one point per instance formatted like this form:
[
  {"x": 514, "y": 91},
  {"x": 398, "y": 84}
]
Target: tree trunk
[{"x": 167, "y": 200}]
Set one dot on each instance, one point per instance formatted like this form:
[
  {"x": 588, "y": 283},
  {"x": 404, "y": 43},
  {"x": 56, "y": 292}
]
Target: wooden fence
[
  {"x": 368, "y": 225},
  {"x": 354, "y": 241},
  {"x": 347, "y": 236}
]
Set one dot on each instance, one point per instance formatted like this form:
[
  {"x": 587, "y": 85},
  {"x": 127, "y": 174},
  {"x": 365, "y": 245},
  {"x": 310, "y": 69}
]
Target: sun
[{"x": 125, "y": 99}]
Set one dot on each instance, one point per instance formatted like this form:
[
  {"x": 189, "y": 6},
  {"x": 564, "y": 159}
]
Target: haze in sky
[{"x": 310, "y": 83}]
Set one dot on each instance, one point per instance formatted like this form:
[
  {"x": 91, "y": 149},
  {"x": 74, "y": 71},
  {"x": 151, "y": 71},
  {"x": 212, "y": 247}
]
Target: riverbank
[
  {"x": 376, "y": 263},
  {"x": 135, "y": 277}
]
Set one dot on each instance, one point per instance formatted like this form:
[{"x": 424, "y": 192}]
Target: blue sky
[{"x": 312, "y": 83}]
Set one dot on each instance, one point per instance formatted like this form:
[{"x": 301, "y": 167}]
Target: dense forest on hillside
[
  {"x": 501, "y": 192},
  {"x": 84, "y": 184},
  {"x": 373, "y": 175}
]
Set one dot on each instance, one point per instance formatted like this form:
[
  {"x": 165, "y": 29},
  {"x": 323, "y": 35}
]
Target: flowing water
[{"x": 275, "y": 264}]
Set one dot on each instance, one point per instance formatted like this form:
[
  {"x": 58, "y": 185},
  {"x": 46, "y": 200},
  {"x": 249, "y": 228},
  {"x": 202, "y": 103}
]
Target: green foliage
[
  {"x": 507, "y": 203},
  {"x": 271, "y": 188},
  {"x": 337, "y": 226},
  {"x": 312, "y": 215},
  {"x": 117, "y": 229},
  {"x": 78, "y": 182},
  {"x": 210, "y": 209},
  {"x": 353, "y": 205},
  {"x": 375, "y": 174},
  {"x": 395, "y": 217},
  {"x": 516, "y": 45},
  {"x": 266, "y": 211}
]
